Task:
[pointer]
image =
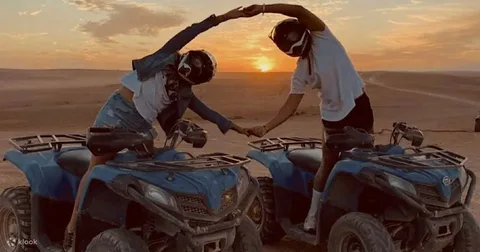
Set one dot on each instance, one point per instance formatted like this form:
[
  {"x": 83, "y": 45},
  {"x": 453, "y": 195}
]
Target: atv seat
[
  {"x": 75, "y": 161},
  {"x": 308, "y": 160}
]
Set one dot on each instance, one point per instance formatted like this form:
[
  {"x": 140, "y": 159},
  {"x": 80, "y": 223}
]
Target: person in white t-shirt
[{"x": 322, "y": 64}]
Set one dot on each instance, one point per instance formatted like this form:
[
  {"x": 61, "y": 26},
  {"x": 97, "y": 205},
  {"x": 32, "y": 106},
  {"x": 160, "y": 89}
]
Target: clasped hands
[{"x": 258, "y": 131}]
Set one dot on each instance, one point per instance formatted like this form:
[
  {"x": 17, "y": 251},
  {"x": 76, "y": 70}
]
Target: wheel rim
[
  {"x": 256, "y": 212},
  {"x": 8, "y": 230},
  {"x": 351, "y": 243}
]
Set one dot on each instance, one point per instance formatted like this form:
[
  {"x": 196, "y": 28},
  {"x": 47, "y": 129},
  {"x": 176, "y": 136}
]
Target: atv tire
[
  {"x": 270, "y": 231},
  {"x": 468, "y": 239},
  {"x": 247, "y": 238},
  {"x": 117, "y": 240},
  {"x": 15, "y": 219},
  {"x": 359, "y": 230}
]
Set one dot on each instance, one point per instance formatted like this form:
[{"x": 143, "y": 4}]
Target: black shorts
[{"x": 361, "y": 116}]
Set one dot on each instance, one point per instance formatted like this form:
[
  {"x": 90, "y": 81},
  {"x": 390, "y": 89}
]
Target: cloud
[
  {"x": 348, "y": 18},
  {"x": 321, "y": 8},
  {"x": 22, "y": 36},
  {"x": 399, "y": 23},
  {"x": 446, "y": 42},
  {"x": 127, "y": 19},
  {"x": 424, "y": 18},
  {"x": 412, "y": 6},
  {"x": 33, "y": 13}
]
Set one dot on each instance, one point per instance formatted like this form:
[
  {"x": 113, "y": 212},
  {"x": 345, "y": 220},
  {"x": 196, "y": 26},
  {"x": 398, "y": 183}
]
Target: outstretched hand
[
  {"x": 243, "y": 131},
  {"x": 252, "y": 10},
  {"x": 258, "y": 131},
  {"x": 235, "y": 13}
]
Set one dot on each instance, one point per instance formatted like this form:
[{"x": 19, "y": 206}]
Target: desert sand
[{"x": 66, "y": 101}]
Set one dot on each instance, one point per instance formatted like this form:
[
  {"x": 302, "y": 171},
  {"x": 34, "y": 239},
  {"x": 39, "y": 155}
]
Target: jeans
[{"x": 120, "y": 113}]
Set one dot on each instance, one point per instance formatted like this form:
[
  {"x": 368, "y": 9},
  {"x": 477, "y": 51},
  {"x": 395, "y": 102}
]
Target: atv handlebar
[
  {"x": 410, "y": 133},
  {"x": 186, "y": 130}
]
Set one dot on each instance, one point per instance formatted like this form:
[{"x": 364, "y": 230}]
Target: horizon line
[{"x": 230, "y": 72}]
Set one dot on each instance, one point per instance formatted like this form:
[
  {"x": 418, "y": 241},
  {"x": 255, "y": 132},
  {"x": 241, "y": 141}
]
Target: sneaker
[
  {"x": 310, "y": 223},
  {"x": 68, "y": 241}
]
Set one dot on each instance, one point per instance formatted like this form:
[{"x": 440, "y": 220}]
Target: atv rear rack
[
  {"x": 426, "y": 157},
  {"x": 278, "y": 143},
  {"x": 37, "y": 143},
  {"x": 213, "y": 161}
]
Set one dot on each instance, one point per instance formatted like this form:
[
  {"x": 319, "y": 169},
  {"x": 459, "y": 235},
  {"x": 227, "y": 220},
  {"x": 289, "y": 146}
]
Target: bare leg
[
  {"x": 81, "y": 187},
  {"x": 329, "y": 159}
]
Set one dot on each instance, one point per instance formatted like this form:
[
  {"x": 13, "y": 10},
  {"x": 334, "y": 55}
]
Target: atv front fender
[{"x": 46, "y": 179}]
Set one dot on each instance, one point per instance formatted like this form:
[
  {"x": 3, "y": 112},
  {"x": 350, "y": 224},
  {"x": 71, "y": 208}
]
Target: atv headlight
[
  {"x": 462, "y": 177},
  {"x": 401, "y": 184},
  {"x": 243, "y": 182},
  {"x": 158, "y": 195}
]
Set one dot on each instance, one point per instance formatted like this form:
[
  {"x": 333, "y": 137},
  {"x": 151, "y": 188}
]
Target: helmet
[
  {"x": 197, "y": 66},
  {"x": 292, "y": 37}
]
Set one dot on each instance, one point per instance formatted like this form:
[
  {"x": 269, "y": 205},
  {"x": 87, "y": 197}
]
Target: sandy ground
[{"x": 66, "y": 101}]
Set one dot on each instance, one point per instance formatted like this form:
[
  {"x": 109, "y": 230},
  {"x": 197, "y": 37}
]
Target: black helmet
[
  {"x": 197, "y": 66},
  {"x": 292, "y": 37}
]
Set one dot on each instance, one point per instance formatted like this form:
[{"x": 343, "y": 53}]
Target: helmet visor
[
  {"x": 290, "y": 40},
  {"x": 197, "y": 66}
]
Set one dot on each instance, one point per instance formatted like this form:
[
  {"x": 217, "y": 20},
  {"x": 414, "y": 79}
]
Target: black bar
[
  {"x": 471, "y": 188},
  {"x": 278, "y": 143},
  {"x": 204, "y": 162},
  {"x": 46, "y": 142}
]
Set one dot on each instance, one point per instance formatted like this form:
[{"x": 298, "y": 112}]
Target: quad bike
[
  {"x": 378, "y": 198},
  {"x": 146, "y": 199}
]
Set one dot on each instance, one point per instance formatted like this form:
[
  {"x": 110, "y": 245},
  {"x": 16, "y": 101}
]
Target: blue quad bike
[
  {"x": 146, "y": 199},
  {"x": 378, "y": 198}
]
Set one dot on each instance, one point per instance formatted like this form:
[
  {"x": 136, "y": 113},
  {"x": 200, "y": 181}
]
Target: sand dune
[{"x": 40, "y": 101}]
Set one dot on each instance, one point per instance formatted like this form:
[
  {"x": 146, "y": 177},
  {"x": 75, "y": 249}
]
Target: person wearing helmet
[
  {"x": 159, "y": 88},
  {"x": 322, "y": 64}
]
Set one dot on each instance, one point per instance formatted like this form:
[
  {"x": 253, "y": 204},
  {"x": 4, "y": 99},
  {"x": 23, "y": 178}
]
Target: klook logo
[{"x": 14, "y": 242}]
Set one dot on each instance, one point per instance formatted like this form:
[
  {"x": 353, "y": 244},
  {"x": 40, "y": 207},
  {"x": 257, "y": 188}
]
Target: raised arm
[
  {"x": 304, "y": 16},
  {"x": 184, "y": 37},
  {"x": 285, "y": 112},
  {"x": 206, "y": 113}
]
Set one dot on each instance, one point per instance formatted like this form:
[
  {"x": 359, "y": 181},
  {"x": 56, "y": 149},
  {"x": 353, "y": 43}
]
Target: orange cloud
[{"x": 127, "y": 19}]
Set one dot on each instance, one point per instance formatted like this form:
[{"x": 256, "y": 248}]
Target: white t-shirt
[
  {"x": 150, "y": 97},
  {"x": 333, "y": 74}
]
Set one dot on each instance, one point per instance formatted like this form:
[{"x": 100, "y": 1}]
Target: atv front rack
[
  {"x": 278, "y": 143},
  {"x": 37, "y": 143},
  {"x": 426, "y": 157},
  {"x": 213, "y": 161}
]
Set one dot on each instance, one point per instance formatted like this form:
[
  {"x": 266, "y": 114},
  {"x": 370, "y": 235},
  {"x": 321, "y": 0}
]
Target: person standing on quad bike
[
  {"x": 160, "y": 87},
  {"x": 322, "y": 64}
]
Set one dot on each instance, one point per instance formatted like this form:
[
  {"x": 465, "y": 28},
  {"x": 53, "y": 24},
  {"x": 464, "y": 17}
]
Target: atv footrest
[
  {"x": 202, "y": 162},
  {"x": 297, "y": 231},
  {"x": 37, "y": 143}
]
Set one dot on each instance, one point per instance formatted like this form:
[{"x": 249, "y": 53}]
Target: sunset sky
[{"x": 107, "y": 34}]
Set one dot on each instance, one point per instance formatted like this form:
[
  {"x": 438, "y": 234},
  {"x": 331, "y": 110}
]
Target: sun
[
  {"x": 265, "y": 67},
  {"x": 263, "y": 64}
]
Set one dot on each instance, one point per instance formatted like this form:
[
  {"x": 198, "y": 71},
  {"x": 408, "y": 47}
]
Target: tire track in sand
[{"x": 374, "y": 81}]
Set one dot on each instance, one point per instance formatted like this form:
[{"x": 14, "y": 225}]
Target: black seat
[
  {"x": 308, "y": 160},
  {"x": 348, "y": 138},
  {"x": 75, "y": 161}
]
